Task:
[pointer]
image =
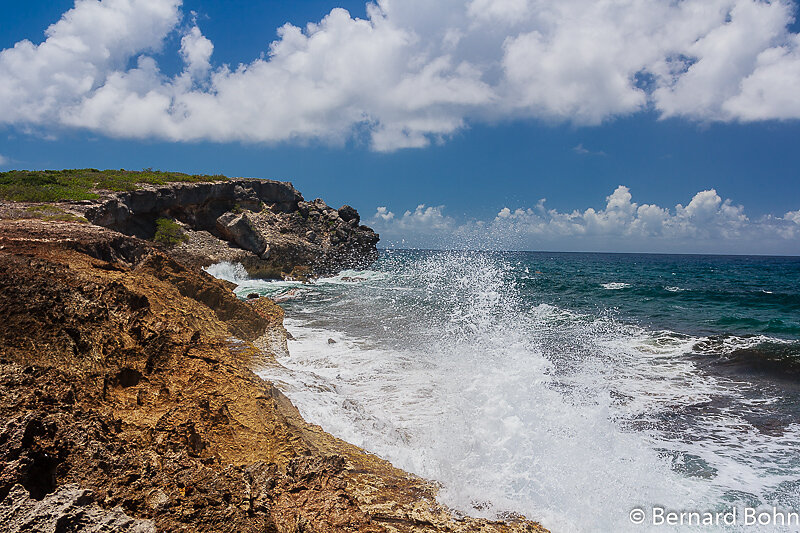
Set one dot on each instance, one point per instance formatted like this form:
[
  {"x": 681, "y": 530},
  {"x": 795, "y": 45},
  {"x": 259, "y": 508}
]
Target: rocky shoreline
[
  {"x": 265, "y": 225},
  {"x": 127, "y": 395}
]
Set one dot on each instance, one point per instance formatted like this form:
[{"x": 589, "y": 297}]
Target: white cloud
[
  {"x": 425, "y": 225},
  {"x": 581, "y": 150},
  {"x": 721, "y": 59},
  {"x": 196, "y": 52},
  {"x": 706, "y": 224},
  {"x": 384, "y": 214},
  {"x": 413, "y": 72},
  {"x": 425, "y": 219},
  {"x": 768, "y": 91},
  {"x": 4, "y": 160},
  {"x": 91, "y": 43}
]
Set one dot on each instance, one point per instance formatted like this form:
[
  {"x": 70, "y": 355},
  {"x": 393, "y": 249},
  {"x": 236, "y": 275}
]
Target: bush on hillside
[{"x": 169, "y": 233}]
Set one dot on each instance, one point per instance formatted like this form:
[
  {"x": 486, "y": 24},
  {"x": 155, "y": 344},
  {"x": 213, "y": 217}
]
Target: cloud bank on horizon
[
  {"x": 413, "y": 72},
  {"x": 706, "y": 224}
]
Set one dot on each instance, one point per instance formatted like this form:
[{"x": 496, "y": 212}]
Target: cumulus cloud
[
  {"x": 424, "y": 226},
  {"x": 90, "y": 45},
  {"x": 424, "y": 219},
  {"x": 384, "y": 214},
  {"x": 196, "y": 52},
  {"x": 707, "y": 223},
  {"x": 413, "y": 72},
  {"x": 3, "y": 160}
]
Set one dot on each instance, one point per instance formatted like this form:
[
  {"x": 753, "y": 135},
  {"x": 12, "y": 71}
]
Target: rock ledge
[{"x": 264, "y": 224}]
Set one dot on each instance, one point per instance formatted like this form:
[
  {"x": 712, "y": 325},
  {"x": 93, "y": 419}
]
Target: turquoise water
[
  {"x": 697, "y": 295},
  {"x": 572, "y": 388}
]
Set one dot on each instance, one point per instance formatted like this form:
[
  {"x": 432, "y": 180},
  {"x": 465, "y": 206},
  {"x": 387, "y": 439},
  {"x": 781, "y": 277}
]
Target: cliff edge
[
  {"x": 263, "y": 224},
  {"x": 128, "y": 404}
]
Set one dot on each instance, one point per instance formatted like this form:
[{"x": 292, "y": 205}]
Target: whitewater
[{"x": 572, "y": 389}]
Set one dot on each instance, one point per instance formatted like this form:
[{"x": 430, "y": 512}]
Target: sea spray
[
  {"x": 233, "y": 272},
  {"x": 530, "y": 393}
]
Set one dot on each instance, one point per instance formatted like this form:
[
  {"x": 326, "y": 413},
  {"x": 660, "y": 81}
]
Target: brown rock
[{"x": 125, "y": 381}]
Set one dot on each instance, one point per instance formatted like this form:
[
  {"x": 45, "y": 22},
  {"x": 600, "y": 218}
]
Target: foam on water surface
[{"x": 445, "y": 367}]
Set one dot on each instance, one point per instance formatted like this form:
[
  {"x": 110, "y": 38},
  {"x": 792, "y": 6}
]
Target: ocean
[{"x": 572, "y": 388}]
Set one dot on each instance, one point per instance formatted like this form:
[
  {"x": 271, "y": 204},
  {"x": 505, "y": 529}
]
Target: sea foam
[{"x": 441, "y": 366}]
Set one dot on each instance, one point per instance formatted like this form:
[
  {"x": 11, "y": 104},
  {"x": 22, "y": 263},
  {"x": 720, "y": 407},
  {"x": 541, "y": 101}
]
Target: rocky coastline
[
  {"x": 126, "y": 387},
  {"x": 265, "y": 225}
]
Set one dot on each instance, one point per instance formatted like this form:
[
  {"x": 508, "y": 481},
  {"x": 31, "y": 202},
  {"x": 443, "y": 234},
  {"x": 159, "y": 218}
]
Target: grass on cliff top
[
  {"x": 53, "y": 213},
  {"x": 77, "y": 184}
]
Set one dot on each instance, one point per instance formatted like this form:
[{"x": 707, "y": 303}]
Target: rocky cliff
[
  {"x": 266, "y": 225},
  {"x": 128, "y": 404}
]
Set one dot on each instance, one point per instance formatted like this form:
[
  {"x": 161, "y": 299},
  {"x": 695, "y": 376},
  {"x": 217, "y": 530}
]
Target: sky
[{"x": 623, "y": 126}]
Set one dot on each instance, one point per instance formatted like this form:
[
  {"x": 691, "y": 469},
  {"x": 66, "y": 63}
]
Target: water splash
[
  {"x": 233, "y": 272},
  {"x": 444, "y": 365}
]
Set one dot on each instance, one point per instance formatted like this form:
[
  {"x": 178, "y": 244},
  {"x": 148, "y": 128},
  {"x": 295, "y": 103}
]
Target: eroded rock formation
[
  {"x": 126, "y": 398},
  {"x": 266, "y": 225}
]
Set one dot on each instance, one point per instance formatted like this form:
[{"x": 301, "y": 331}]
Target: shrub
[
  {"x": 53, "y": 213},
  {"x": 169, "y": 233},
  {"x": 78, "y": 184}
]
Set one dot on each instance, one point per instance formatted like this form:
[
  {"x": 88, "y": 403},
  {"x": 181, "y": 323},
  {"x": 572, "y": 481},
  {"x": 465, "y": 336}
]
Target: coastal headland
[{"x": 127, "y": 391}]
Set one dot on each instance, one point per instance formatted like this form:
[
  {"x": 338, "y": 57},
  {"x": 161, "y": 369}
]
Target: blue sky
[{"x": 475, "y": 110}]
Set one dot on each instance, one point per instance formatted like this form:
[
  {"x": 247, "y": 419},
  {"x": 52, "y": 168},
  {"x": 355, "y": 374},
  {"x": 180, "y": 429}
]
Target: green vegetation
[
  {"x": 79, "y": 184},
  {"x": 169, "y": 233},
  {"x": 50, "y": 212}
]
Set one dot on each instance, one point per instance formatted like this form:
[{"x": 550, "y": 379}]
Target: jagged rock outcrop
[
  {"x": 266, "y": 225},
  {"x": 68, "y": 508},
  {"x": 197, "y": 204},
  {"x": 126, "y": 374}
]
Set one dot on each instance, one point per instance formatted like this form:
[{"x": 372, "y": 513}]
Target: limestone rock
[
  {"x": 124, "y": 373},
  {"x": 69, "y": 508},
  {"x": 265, "y": 225},
  {"x": 240, "y": 229},
  {"x": 196, "y": 204}
]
